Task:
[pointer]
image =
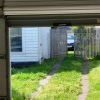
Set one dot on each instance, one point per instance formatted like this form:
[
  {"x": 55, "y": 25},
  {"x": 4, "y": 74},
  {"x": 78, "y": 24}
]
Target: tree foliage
[{"x": 78, "y": 27}]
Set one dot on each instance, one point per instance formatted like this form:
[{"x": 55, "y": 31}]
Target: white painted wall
[
  {"x": 45, "y": 31},
  {"x": 29, "y": 46},
  {"x": 40, "y": 46},
  {"x": 35, "y": 45}
]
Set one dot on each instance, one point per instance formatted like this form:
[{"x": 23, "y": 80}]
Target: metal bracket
[
  {"x": 3, "y": 98},
  {"x": 62, "y": 24},
  {"x": 2, "y": 16},
  {"x": 2, "y": 57}
]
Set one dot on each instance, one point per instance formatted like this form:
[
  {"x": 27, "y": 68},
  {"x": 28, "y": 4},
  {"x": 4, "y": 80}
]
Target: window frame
[{"x": 23, "y": 44}]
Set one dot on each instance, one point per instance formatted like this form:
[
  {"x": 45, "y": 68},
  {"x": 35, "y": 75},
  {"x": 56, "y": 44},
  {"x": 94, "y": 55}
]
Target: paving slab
[{"x": 84, "y": 81}]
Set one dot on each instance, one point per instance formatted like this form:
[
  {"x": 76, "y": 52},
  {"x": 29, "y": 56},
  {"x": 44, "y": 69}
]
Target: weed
[
  {"x": 94, "y": 79},
  {"x": 65, "y": 83},
  {"x": 26, "y": 80}
]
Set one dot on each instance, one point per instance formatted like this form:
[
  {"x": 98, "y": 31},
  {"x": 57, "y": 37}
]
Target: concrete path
[
  {"x": 84, "y": 81},
  {"x": 45, "y": 81}
]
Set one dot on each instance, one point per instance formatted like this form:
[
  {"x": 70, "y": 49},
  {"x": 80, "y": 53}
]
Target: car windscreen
[{"x": 70, "y": 37}]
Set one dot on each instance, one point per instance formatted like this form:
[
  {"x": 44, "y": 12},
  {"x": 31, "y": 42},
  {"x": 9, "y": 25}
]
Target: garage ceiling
[{"x": 49, "y": 12}]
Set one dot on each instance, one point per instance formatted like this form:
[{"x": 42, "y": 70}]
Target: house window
[{"x": 16, "y": 39}]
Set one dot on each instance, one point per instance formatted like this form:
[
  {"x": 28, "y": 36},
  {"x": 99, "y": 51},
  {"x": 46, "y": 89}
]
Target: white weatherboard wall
[
  {"x": 46, "y": 41},
  {"x": 30, "y": 50},
  {"x": 35, "y": 45},
  {"x": 40, "y": 37}
]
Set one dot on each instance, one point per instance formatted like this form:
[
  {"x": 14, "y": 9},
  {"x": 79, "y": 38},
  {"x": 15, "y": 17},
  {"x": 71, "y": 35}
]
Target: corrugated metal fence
[
  {"x": 85, "y": 43},
  {"x": 58, "y": 43}
]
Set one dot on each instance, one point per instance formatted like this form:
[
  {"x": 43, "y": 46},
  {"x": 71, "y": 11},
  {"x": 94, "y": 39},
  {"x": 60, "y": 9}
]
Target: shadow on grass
[
  {"x": 45, "y": 67},
  {"x": 65, "y": 83},
  {"x": 26, "y": 80},
  {"x": 18, "y": 96},
  {"x": 70, "y": 49},
  {"x": 94, "y": 63},
  {"x": 94, "y": 79},
  {"x": 71, "y": 63}
]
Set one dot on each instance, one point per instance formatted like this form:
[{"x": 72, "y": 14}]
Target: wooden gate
[
  {"x": 85, "y": 43},
  {"x": 58, "y": 42}
]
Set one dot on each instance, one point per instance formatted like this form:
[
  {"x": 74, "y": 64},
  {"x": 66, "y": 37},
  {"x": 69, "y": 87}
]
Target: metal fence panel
[{"x": 85, "y": 43}]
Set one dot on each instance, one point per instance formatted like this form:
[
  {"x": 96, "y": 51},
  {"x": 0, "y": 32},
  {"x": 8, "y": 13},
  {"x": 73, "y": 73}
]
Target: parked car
[{"x": 70, "y": 41}]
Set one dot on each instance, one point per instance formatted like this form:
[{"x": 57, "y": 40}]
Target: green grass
[
  {"x": 26, "y": 80},
  {"x": 94, "y": 79},
  {"x": 65, "y": 83}
]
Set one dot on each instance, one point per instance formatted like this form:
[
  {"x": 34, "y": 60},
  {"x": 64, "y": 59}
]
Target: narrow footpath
[
  {"x": 45, "y": 81},
  {"x": 84, "y": 81}
]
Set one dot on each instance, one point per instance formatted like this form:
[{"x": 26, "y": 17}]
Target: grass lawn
[
  {"x": 94, "y": 79},
  {"x": 26, "y": 80},
  {"x": 65, "y": 83}
]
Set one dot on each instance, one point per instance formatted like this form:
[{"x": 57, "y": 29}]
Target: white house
[{"x": 29, "y": 45}]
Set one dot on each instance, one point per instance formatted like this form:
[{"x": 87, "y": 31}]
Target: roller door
[
  {"x": 34, "y": 7},
  {"x": 40, "y": 13},
  {"x": 50, "y": 12},
  {"x": 2, "y": 60},
  {"x": 52, "y": 20}
]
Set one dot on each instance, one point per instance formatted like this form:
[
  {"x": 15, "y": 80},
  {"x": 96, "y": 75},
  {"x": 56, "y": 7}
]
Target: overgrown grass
[
  {"x": 26, "y": 80},
  {"x": 94, "y": 79},
  {"x": 65, "y": 83}
]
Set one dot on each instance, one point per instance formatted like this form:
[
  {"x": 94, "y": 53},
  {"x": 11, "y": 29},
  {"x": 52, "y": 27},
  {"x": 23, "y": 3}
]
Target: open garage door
[
  {"x": 37, "y": 7},
  {"x": 52, "y": 20},
  {"x": 51, "y": 12},
  {"x": 40, "y": 13}
]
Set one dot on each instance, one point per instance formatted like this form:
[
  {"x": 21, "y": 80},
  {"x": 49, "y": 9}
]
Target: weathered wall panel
[
  {"x": 58, "y": 43},
  {"x": 3, "y": 77},
  {"x": 3, "y": 72},
  {"x": 2, "y": 36},
  {"x": 1, "y": 3},
  {"x": 45, "y": 31},
  {"x": 1, "y": 12}
]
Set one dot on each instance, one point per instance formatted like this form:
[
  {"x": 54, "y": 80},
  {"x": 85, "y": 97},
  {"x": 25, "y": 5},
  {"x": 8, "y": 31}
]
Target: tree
[{"x": 78, "y": 27}]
